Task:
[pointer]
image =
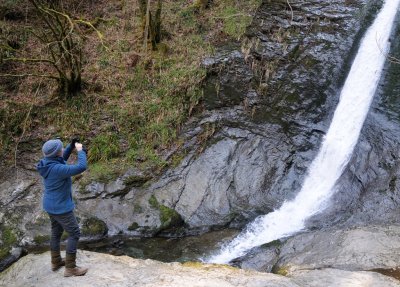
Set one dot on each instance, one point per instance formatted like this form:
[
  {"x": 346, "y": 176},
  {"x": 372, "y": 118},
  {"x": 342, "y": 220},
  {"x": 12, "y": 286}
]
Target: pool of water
[{"x": 183, "y": 249}]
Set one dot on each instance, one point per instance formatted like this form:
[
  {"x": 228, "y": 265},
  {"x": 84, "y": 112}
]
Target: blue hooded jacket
[{"x": 57, "y": 198}]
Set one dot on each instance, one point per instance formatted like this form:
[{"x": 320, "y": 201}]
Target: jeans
[{"x": 67, "y": 222}]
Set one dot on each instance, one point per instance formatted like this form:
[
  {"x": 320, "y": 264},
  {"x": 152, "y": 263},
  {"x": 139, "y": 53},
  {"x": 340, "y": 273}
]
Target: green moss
[
  {"x": 234, "y": 16},
  {"x": 101, "y": 172},
  {"x": 137, "y": 208},
  {"x": 169, "y": 217},
  {"x": 199, "y": 265},
  {"x": 104, "y": 147},
  {"x": 153, "y": 202},
  {"x": 282, "y": 270},
  {"x": 147, "y": 156},
  {"x": 200, "y": 4},
  {"x": 8, "y": 238},
  {"x": 4, "y": 252},
  {"x": 40, "y": 239},
  {"x": 136, "y": 180},
  {"x": 178, "y": 157},
  {"x": 133, "y": 226},
  {"x": 94, "y": 226},
  {"x": 193, "y": 264}
]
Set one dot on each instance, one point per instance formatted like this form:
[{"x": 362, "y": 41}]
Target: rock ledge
[{"x": 108, "y": 270}]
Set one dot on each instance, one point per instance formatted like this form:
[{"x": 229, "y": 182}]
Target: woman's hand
[{"x": 78, "y": 146}]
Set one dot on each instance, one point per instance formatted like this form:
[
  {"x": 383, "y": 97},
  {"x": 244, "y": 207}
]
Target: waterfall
[{"x": 336, "y": 149}]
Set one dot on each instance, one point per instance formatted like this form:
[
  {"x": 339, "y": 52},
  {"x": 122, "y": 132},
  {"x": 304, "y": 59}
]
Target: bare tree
[{"x": 62, "y": 37}]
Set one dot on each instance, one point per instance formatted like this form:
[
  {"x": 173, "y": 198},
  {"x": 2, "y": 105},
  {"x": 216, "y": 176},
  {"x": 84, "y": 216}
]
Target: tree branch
[
  {"x": 29, "y": 60},
  {"x": 30, "y": 75},
  {"x": 99, "y": 35}
]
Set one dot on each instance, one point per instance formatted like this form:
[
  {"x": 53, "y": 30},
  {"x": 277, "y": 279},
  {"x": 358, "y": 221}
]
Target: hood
[{"x": 45, "y": 165}]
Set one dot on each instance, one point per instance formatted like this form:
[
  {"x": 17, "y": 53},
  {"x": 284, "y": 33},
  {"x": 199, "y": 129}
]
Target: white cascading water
[{"x": 337, "y": 147}]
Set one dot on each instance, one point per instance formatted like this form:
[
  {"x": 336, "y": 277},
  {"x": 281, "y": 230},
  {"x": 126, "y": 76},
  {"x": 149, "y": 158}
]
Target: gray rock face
[
  {"x": 364, "y": 248},
  {"x": 231, "y": 177},
  {"x": 107, "y": 270},
  {"x": 336, "y": 278},
  {"x": 120, "y": 213},
  {"x": 269, "y": 119}
]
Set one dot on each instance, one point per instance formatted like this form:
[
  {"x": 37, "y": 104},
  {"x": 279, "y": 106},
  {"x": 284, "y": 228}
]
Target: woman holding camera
[{"x": 58, "y": 203}]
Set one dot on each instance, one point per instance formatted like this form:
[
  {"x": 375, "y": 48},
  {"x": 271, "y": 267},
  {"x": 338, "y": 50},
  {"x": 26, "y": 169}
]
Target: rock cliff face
[
  {"x": 108, "y": 270},
  {"x": 372, "y": 248},
  {"x": 268, "y": 102}
]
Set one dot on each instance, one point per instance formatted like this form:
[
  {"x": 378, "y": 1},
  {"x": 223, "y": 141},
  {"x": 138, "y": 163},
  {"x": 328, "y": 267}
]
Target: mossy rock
[
  {"x": 8, "y": 239},
  {"x": 153, "y": 202},
  {"x": 282, "y": 270},
  {"x": 4, "y": 252},
  {"x": 94, "y": 227},
  {"x": 136, "y": 180},
  {"x": 40, "y": 239},
  {"x": 133, "y": 226},
  {"x": 200, "y": 265},
  {"x": 8, "y": 236},
  {"x": 137, "y": 208},
  {"x": 169, "y": 217}
]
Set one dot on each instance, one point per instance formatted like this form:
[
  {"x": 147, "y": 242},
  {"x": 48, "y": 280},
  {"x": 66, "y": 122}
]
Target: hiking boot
[
  {"x": 56, "y": 261},
  {"x": 70, "y": 266}
]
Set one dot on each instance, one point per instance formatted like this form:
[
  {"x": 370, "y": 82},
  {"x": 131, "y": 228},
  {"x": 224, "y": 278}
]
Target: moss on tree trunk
[{"x": 154, "y": 24}]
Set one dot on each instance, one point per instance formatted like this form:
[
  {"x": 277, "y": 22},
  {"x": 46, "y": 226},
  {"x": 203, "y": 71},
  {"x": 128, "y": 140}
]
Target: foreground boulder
[
  {"x": 108, "y": 270},
  {"x": 361, "y": 248}
]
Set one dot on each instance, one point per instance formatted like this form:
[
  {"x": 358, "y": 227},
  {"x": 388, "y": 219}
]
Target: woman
[{"x": 58, "y": 203}]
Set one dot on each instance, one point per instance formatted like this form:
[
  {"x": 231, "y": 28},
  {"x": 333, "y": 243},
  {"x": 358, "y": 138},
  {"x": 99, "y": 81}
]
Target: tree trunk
[
  {"x": 156, "y": 26},
  {"x": 151, "y": 23},
  {"x": 147, "y": 27}
]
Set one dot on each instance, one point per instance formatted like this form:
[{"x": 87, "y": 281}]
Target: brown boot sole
[{"x": 75, "y": 272}]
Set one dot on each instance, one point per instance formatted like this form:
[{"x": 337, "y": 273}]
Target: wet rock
[
  {"x": 229, "y": 78},
  {"x": 14, "y": 255},
  {"x": 260, "y": 259},
  {"x": 218, "y": 186},
  {"x": 368, "y": 191},
  {"x": 363, "y": 248},
  {"x": 271, "y": 103}
]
